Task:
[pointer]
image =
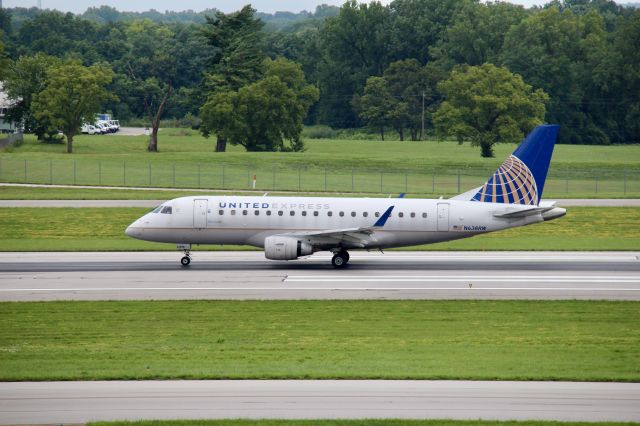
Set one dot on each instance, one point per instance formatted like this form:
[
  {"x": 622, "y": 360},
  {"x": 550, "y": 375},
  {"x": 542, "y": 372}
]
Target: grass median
[
  {"x": 102, "y": 229},
  {"x": 477, "y": 340}
]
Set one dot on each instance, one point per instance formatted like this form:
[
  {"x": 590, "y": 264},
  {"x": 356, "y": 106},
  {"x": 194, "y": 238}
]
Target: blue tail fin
[{"x": 520, "y": 179}]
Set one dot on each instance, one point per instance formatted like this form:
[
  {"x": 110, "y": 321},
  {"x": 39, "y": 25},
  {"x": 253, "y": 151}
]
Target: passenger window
[
  {"x": 424, "y": 215},
  {"x": 280, "y": 212},
  {"x": 268, "y": 212},
  {"x": 221, "y": 212},
  {"x": 233, "y": 212},
  {"x": 377, "y": 214},
  {"x": 353, "y": 214},
  {"x": 329, "y": 213},
  {"x": 315, "y": 213},
  {"x": 341, "y": 214},
  {"x": 292, "y": 213},
  {"x": 400, "y": 214},
  {"x": 413, "y": 214},
  {"x": 244, "y": 212},
  {"x": 166, "y": 210},
  {"x": 304, "y": 213},
  {"x": 257, "y": 212},
  {"x": 365, "y": 214}
]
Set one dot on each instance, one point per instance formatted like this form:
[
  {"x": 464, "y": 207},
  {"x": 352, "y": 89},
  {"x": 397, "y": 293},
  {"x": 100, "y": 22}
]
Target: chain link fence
[{"x": 560, "y": 183}]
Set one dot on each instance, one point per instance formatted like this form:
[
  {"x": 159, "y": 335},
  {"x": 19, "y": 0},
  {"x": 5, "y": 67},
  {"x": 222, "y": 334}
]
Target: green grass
[
  {"x": 427, "y": 167},
  {"x": 102, "y": 229},
  {"x": 477, "y": 340},
  {"x": 366, "y": 422},
  {"x": 44, "y": 193}
]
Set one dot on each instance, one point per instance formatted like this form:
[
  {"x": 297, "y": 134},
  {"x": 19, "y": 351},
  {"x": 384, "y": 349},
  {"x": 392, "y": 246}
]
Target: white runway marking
[
  {"x": 466, "y": 279},
  {"x": 314, "y": 289}
]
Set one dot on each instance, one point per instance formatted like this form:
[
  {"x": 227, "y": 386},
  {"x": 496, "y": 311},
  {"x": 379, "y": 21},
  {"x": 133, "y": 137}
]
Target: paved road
[
  {"x": 77, "y": 402},
  {"x": 154, "y": 203},
  {"x": 247, "y": 275}
]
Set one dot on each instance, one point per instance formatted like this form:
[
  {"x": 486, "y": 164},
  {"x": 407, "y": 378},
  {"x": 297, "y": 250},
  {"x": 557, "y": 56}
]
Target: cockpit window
[
  {"x": 167, "y": 210},
  {"x": 157, "y": 209}
]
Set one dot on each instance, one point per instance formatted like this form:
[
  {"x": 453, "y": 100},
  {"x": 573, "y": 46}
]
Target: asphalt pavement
[
  {"x": 79, "y": 402},
  {"x": 391, "y": 275}
]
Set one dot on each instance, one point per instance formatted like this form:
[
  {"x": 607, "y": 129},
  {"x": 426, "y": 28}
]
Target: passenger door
[
  {"x": 443, "y": 216},
  {"x": 200, "y": 214}
]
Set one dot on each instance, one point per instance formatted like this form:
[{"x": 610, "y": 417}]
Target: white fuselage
[{"x": 249, "y": 220}]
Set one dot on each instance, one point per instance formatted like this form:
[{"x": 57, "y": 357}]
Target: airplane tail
[{"x": 520, "y": 179}]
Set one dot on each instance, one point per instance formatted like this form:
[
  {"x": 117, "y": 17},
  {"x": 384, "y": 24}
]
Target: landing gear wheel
[
  {"x": 340, "y": 259},
  {"x": 185, "y": 261}
]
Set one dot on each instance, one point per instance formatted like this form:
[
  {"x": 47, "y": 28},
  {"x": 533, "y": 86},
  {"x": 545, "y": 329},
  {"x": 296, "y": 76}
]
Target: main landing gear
[
  {"x": 186, "y": 248},
  {"x": 340, "y": 259}
]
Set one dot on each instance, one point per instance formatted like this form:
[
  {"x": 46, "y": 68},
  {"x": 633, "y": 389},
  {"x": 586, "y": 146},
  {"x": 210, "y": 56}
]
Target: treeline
[{"x": 582, "y": 54}]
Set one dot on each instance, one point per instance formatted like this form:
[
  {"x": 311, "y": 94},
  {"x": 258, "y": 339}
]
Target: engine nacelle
[{"x": 285, "y": 248}]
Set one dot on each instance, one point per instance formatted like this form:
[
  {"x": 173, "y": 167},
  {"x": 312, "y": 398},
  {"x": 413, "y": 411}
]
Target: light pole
[{"x": 422, "y": 131}]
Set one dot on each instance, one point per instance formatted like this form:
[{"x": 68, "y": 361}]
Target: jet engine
[{"x": 285, "y": 248}]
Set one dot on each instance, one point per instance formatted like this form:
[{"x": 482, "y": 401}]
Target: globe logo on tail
[{"x": 512, "y": 183}]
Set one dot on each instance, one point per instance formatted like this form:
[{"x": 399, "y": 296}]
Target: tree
[
  {"x": 550, "y": 50},
  {"x": 25, "y": 78},
  {"x": 150, "y": 67},
  {"x": 261, "y": 115},
  {"x": 352, "y": 47},
  {"x": 414, "y": 88},
  {"x": 488, "y": 104},
  {"x": 374, "y": 107},
  {"x": 73, "y": 95},
  {"x": 237, "y": 37},
  {"x": 476, "y": 33}
]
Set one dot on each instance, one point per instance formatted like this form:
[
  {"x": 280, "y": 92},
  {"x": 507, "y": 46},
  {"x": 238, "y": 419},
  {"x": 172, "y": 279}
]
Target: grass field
[
  {"x": 102, "y": 229},
  {"x": 53, "y": 193},
  {"x": 366, "y": 422},
  {"x": 478, "y": 340},
  {"x": 428, "y": 168}
]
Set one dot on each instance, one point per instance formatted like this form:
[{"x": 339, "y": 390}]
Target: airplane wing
[{"x": 353, "y": 236}]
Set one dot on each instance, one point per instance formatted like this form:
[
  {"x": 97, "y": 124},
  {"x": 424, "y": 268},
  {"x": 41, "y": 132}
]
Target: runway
[
  {"x": 248, "y": 275},
  {"x": 79, "y": 402}
]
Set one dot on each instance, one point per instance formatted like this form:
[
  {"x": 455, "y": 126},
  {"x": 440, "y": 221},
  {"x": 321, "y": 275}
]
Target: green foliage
[
  {"x": 397, "y": 98},
  {"x": 73, "y": 95},
  {"x": 344, "y": 339},
  {"x": 261, "y": 115},
  {"x": 582, "y": 53},
  {"x": 237, "y": 38},
  {"x": 488, "y": 104},
  {"x": 25, "y": 79}
]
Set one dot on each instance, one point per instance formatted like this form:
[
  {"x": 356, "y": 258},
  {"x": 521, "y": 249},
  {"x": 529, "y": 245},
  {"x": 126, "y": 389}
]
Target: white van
[{"x": 89, "y": 129}]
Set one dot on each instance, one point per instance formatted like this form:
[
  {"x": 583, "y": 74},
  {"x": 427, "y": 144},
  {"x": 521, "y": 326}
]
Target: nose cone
[{"x": 134, "y": 230}]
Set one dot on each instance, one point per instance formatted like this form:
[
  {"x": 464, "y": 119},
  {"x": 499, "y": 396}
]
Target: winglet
[
  {"x": 402, "y": 194},
  {"x": 383, "y": 219}
]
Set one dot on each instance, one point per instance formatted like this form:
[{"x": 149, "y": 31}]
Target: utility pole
[{"x": 422, "y": 131}]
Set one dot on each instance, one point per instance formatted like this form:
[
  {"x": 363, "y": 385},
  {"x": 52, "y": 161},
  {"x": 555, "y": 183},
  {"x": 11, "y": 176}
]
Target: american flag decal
[{"x": 512, "y": 183}]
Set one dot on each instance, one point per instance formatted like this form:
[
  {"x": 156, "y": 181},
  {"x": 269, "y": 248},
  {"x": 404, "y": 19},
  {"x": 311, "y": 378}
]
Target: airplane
[{"x": 288, "y": 228}]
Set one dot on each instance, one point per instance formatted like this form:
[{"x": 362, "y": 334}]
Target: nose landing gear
[
  {"x": 186, "y": 248},
  {"x": 340, "y": 259}
]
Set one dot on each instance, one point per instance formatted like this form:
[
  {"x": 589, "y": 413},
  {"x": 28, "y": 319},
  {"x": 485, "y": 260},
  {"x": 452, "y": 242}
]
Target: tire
[
  {"x": 346, "y": 256},
  {"x": 339, "y": 260},
  {"x": 185, "y": 261}
]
